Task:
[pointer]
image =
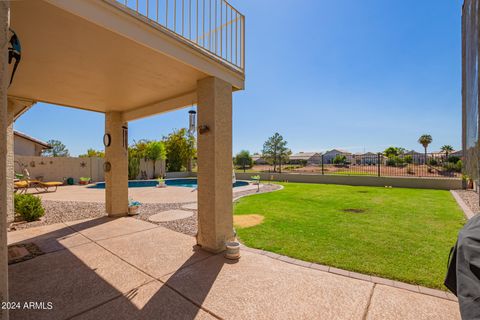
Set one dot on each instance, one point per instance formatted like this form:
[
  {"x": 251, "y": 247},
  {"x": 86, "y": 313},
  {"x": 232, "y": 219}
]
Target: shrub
[
  {"x": 29, "y": 207},
  {"x": 408, "y": 159},
  {"x": 395, "y": 161},
  {"x": 459, "y": 165},
  {"x": 453, "y": 159},
  {"x": 391, "y": 161},
  {"x": 453, "y": 167},
  {"x": 432, "y": 162},
  {"x": 339, "y": 159}
]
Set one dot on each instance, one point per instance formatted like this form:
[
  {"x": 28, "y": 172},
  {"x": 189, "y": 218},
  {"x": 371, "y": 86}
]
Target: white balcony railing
[{"x": 214, "y": 25}]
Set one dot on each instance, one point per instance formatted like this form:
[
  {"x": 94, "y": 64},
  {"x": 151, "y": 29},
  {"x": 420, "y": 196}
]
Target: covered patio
[
  {"x": 105, "y": 56},
  {"x": 124, "y": 268}
]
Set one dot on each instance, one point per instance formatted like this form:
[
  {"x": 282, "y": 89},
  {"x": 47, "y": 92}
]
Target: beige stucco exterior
[
  {"x": 6, "y": 165},
  {"x": 215, "y": 218},
  {"x": 116, "y": 165}
]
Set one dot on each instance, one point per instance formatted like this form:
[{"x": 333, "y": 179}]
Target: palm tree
[
  {"x": 425, "y": 140},
  {"x": 447, "y": 149}
]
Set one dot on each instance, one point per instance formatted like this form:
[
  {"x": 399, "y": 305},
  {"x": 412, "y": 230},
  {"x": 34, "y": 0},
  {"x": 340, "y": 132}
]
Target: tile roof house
[{"x": 306, "y": 157}]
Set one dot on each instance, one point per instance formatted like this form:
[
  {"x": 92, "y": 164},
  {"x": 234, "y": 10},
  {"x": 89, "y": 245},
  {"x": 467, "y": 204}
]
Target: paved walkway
[{"x": 130, "y": 269}]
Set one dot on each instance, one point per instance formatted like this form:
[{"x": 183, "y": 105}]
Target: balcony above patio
[{"x": 136, "y": 57}]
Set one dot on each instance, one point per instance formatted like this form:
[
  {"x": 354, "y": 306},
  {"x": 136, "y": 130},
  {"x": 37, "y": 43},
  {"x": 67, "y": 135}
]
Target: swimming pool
[{"x": 189, "y": 183}]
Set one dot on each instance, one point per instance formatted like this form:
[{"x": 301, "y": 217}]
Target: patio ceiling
[{"x": 93, "y": 55}]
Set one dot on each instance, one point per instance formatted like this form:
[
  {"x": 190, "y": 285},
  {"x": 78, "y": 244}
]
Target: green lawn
[{"x": 404, "y": 234}]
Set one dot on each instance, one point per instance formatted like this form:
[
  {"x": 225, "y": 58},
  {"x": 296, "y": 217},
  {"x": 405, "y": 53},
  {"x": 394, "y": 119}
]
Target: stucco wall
[
  {"x": 56, "y": 169},
  {"x": 470, "y": 105},
  {"x": 400, "y": 182}
]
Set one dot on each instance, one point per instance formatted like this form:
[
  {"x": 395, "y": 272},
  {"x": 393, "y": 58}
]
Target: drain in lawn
[{"x": 354, "y": 210}]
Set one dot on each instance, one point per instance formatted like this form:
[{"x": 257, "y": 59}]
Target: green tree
[
  {"x": 243, "y": 159},
  {"x": 133, "y": 163},
  {"x": 393, "y": 151},
  {"x": 275, "y": 151},
  {"x": 408, "y": 159},
  {"x": 339, "y": 159},
  {"x": 154, "y": 151},
  {"x": 425, "y": 140},
  {"x": 91, "y": 153},
  {"x": 447, "y": 149},
  {"x": 58, "y": 149},
  {"x": 180, "y": 148}
]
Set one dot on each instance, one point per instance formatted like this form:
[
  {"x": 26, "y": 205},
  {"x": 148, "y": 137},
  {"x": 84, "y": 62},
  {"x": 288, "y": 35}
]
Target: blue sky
[{"x": 323, "y": 73}]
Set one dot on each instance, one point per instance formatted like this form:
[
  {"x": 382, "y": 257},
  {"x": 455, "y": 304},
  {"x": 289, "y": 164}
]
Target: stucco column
[
  {"x": 116, "y": 174},
  {"x": 5, "y": 164},
  {"x": 10, "y": 161},
  {"x": 215, "y": 219}
]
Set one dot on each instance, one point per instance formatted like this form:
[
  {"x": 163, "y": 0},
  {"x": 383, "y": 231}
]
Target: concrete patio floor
[{"x": 130, "y": 269}]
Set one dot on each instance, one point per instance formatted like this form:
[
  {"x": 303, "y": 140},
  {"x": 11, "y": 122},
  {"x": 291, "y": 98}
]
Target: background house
[
  {"x": 328, "y": 156},
  {"x": 257, "y": 159},
  {"x": 24, "y": 145},
  {"x": 417, "y": 157},
  {"x": 368, "y": 158},
  {"x": 309, "y": 158}
]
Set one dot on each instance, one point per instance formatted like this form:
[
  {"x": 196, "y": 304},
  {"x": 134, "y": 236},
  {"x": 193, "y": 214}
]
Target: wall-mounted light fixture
[
  {"x": 203, "y": 129},
  {"x": 107, "y": 166}
]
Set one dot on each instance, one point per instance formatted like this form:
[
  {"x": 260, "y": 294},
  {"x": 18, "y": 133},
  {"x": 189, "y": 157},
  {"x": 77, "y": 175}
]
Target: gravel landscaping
[
  {"x": 60, "y": 211},
  {"x": 470, "y": 197}
]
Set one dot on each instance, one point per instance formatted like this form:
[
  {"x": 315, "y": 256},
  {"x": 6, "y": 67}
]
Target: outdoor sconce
[
  {"x": 107, "y": 166},
  {"x": 203, "y": 129}
]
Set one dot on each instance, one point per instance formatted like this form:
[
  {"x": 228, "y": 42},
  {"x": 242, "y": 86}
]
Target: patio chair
[
  {"x": 20, "y": 186},
  {"x": 40, "y": 186},
  {"x": 44, "y": 186}
]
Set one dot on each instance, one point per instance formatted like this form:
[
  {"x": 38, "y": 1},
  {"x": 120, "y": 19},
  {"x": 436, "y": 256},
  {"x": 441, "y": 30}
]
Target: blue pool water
[{"x": 189, "y": 183}]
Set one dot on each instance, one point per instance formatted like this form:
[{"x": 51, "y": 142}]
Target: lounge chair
[
  {"x": 23, "y": 185},
  {"x": 40, "y": 186},
  {"x": 44, "y": 186},
  {"x": 20, "y": 186}
]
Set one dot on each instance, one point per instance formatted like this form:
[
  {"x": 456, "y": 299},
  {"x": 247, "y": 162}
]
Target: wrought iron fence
[
  {"x": 413, "y": 164},
  {"x": 213, "y": 25},
  {"x": 376, "y": 164}
]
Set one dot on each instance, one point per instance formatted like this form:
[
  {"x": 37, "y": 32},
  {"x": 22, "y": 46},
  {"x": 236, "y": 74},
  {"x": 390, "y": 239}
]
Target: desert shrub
[
  {"x": 453, "y": 159},
  {"x": 459, "y": 165},
  {"x": 391, "y": 161},
  {"x": 28, "y": 206},
  {"x": 432, "y": 162},
  {"x": 408, "y": 159},
  {"x": 453, "y": 167},
  {"x": 339, "y": 159},
  {"x": 395, "y": 161}
]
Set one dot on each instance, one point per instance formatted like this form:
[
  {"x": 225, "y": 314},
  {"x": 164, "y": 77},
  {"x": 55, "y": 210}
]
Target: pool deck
[{"x": 170, "y": 194}]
